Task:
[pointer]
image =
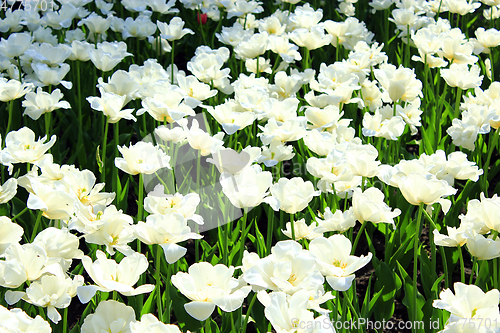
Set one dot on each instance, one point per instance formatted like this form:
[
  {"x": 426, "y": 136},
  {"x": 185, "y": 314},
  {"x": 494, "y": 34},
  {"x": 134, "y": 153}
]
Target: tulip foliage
[{"x": 227, "y": 166}]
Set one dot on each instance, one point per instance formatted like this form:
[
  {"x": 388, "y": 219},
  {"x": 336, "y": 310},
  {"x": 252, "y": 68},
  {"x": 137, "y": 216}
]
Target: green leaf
[
  {"x": 181, "y": 315},
  {"x": 484, "y": 274},
  {"x": 400, "y": 252},
  {"x": 122, "y": 191},
  {"x": 235, "y": 250},
  {"x": 75, "y": 329},
  {"x": 257, "y": 313},
  {"x": 385, "y": 291},
  {"x": 428, "y": 274},
  {"x": 408, "y": 300},
  {"x": 429, "y": 314},
  {"x": 251, "y": 237},
  {"x": 87, "y": 310},
  {"x": 435, "y": 286},
  {"x": 4, "y": 209},
  {"x": 375, "y": 261},
  {"x": 213, "y": 325},
  {"x": 98, "y": 158},
  {"x": 365, "y": 308},
  {"x": 428, "y": 139},
  {"x": 208, "y": 252},
  {"x": 148, "y": 304},
  {"x": 261, "y": 244}
]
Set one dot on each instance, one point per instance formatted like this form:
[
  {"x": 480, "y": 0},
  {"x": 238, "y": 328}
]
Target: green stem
[
  {"x": 172, "y": 63},
  {"x": 226, "y": 244},
  {"x": 141, "y": 199},
  {"x": 258, "y": 67},
  {"x": 19, "y": 214},
  {"x": 495, "y": 263},
  {"x": 358, "y": 236},
  {"x": 115, "y": 179},
  {"x": 433, "y": 248},
  {"x": 203, "y": 30},
  {"x": 167, "y": 292},
  {"x": 248, "y": 313},
  {"x": 37, "y": 224},
  {"x": 337, "y": 50},
  {"x": 20, "y": 69},
  {"x": 462, "y": 266},
  {"x": 217, "y": 29},
  {"x": 386, "y": 27},
  {"x": 495, "y": 273},
  {"x": 198, "y": 181},
  {"x": 48, "y": 116},
  {"x": 349, "y": 303},
  {"x": 492, "y": 65},
  {"x": 65, "y": 320},
  {"x": 457, "y": 102},
  {"x": 158, "y": 47},
  {"x": 305, "y": 64},
  {"x": 159, "y": 254},
  {"x": 270, "y": 228},
  {"x": 445, "y": 268},
  {"x": 292, "y": 225},
  {"x": 439, "y": 8},
  {"x": 474, "y": 265},
  {"x": 79, "y": 101},
  {"x": 415, "y": 259},
  {"x": 10, "y": 108},
  {"x": 407, "y": 55},
  {"x": 104, "y": 143},
  {"x": 243, "y": 232},
  {"x": 492, "y": 142}
]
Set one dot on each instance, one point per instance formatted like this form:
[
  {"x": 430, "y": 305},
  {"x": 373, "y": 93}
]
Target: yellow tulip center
[
  {"x": 115, "y": 240},
  {"x": 339, "y": 263}
]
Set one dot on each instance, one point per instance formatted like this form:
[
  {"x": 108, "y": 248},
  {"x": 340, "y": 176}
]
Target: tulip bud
[{"x": 202, "y": 17}]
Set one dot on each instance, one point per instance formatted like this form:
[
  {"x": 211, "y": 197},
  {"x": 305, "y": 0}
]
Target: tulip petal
[
  {"x": 199, "y": 310},
  {"x": 12, "y": 297},
  {"x": 85, "y": 293},
  {"x": 173, "y": 252},
  {"x": 340, "y": 283},
  {"x": 53, "y": 315}
]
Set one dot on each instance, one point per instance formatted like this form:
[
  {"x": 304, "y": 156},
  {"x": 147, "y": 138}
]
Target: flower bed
[{"x": 233, "y": 166}]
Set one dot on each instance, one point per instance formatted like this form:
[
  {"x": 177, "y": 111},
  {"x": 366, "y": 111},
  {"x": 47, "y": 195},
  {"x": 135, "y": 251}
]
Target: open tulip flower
[
  {"x": 49, "y": 291},
  {"x": 292, "y": 195},
  {"x": 110, "y": 276},
  {"x": 469, "y": 302},
  {"x": 418, "y": 188},
  {"x": 18, "y": 321},
  {"x": 208, "y": 286},
  {"x": 166, "y": 230},
  {"x": 237, "y": 144},
  {"x": 111, "y": 316},
  {"x": 142, "y": 158},
  {"x": 21, "y": 147},
  {"x": 9, "y": 233},
  {"x": 336, "y": 262},
  {"x": 370, "y": 206}
]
